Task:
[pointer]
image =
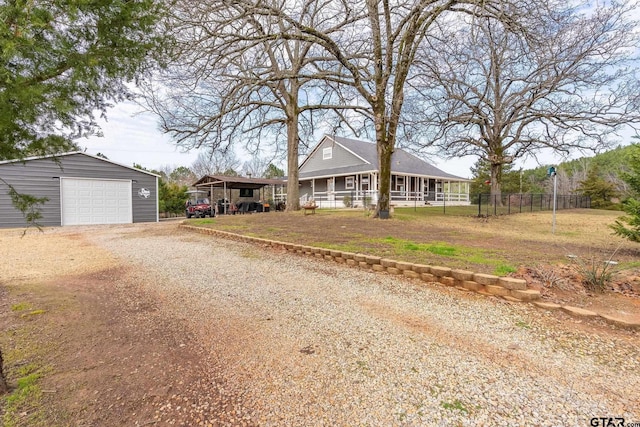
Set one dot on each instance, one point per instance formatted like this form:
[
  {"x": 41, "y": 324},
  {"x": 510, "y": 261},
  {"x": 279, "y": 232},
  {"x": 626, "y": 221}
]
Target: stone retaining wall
[{"x": 508, "y": 288}]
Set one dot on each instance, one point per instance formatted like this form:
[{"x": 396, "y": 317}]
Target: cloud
[{"x": 131, "y": 136}]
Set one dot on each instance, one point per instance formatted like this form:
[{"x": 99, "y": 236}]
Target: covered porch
[{"x": 357, "y": 190}]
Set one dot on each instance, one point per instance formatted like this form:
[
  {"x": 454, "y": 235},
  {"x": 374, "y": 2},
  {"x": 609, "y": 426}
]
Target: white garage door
[{"x": 95, "y": 201}]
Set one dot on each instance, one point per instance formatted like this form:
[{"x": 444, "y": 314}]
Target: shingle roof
[{"x": 401, "y": 161}]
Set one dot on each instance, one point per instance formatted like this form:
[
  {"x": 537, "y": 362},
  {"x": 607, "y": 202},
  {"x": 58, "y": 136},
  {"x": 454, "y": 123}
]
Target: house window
[
  {"x": 327, "y": 153},
  {"x": 400, "y": 183},
  {"x": 349, "y": 183}
]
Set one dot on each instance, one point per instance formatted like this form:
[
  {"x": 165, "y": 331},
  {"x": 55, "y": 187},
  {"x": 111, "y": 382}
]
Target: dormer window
[{"x": 327, "y": 153}]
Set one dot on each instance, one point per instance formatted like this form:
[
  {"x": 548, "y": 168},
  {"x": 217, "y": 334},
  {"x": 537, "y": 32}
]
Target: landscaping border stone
[{"x": 508, "y": 288}]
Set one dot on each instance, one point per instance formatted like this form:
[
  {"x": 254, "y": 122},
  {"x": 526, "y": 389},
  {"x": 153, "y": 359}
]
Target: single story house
[
  {"x": 343, "y": 172},
  {"x": 80, "y": 189}
]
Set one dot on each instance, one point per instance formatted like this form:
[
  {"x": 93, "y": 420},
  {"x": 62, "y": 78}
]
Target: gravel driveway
[{"x": 305, "y": 342}]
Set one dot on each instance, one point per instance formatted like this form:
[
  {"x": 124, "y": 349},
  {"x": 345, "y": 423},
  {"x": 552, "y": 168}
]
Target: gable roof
[
  {"x": 401, "y": 161},
  {"x": 71, "y": 153}
]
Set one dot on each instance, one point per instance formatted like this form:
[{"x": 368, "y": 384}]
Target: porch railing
[{"x": 355, "y": 198}]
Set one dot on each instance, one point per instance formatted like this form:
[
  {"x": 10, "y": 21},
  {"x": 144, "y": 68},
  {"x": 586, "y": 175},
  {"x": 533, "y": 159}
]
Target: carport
[{"x": 228, "y": 183}]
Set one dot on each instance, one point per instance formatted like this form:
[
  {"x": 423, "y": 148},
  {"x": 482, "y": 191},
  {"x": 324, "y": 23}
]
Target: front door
[
  {"x": 364, "y": 184},
  {"x": 331, "y": 188}
]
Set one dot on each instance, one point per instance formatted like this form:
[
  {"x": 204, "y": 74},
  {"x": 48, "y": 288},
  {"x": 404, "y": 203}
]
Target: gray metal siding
[
  {"x": 340, "y": 158},
  {"x": 321, "y": 184},
  {"x": 305, "y": 188},
  {"x": 34, "y": 181},
  {"x": 41, "y": 178},
  {"x": 144, "y": 209}
]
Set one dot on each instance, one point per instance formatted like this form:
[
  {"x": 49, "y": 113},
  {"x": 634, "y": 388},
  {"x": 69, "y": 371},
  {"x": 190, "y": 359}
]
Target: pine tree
[
  {"x": 600, "y": 191},
  {"x": 628, "y": 226}
]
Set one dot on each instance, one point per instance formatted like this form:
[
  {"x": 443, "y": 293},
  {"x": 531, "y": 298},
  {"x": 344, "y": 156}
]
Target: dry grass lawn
[
  {"x": 520, "y": 245},
  {"x": 427, "y": 236}
]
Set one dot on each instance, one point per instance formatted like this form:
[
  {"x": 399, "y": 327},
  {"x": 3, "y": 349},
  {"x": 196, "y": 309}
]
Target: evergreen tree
[
  {"x": 172, "y": 197},
  {"x": 600, "y": 191},
  {"x": 633, "y": 176},
  {"x": 182, "y": 175},
  {"x": 63, "y": 61},
  {"x": 628, "y": 226},
  {"x": 513, "y": 181},
  {"x": 273, "y": 172}
]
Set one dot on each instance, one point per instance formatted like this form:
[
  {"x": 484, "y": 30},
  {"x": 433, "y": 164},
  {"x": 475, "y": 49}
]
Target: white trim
[
  {"x": 55, "y": 156},
  {"x": 337, "y": 175},
  {"x": 351, "y": 151},
  {"x": 71, "y": 178},
  {"x": 352, "y": 178},
  {"x": 157, "y": 203},
  {"x": 376, "y": 171},
  {"x": 333, "y": 141}
]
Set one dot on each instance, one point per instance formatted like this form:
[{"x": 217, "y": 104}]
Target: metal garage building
[{"x": 81, "y": 189}]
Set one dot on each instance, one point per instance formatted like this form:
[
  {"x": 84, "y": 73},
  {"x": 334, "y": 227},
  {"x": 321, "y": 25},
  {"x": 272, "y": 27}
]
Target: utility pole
[{"x": 552, "y": 172}]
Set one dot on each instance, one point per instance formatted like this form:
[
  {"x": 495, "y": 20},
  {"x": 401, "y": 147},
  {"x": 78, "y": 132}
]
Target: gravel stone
[{"x": 306, "y": 342}]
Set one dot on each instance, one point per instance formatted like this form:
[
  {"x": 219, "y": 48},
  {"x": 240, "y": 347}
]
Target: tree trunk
[
  {"x": 496, "y": 180},
  {"x": 3, "y": 380},
  {"x": 293, "y": 190},
  {"x": 384, "y": 147},
  {"x": 385, "y": 150}
]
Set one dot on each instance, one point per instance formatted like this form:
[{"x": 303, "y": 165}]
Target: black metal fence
[{"x": 507, "y": 204}]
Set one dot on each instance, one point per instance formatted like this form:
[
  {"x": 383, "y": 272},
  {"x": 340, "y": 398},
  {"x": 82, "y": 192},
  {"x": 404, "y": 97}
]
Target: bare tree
[
  {"x": 258, "y": 166},
  {"x": 486, "y": 90},
  {"x": 373, "y": 55},
  {"x": 231, "y": 80},
  {"x": 216, "y": 163}
]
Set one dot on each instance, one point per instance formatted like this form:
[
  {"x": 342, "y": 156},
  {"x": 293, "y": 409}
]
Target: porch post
[
  {"x": 426, "y": 189},
  {"x": 224, "y": 197},
  {"x": 374, "y": 187},
  {"x": 407, "y": 186}
]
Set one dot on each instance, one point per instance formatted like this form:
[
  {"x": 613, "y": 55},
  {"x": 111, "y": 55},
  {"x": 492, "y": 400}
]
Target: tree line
[
  {"x": 601, "y": 177},
  {"x": 611, "y": 180}
]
